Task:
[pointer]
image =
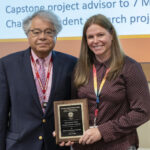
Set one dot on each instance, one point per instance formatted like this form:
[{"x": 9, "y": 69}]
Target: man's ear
[{"x": 55, "y": 38}]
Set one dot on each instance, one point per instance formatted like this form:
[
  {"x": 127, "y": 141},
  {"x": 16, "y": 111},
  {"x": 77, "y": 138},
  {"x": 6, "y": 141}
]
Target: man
[{"x": 30, "y": 81}]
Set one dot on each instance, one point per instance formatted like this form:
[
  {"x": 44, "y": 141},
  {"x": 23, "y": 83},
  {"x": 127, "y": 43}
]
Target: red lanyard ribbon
[{"x": 43, "y": 87}]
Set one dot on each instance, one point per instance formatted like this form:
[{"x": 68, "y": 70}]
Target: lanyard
[
  {"x": 98, "y": 91},
  {"x": 43, "y": 87}
]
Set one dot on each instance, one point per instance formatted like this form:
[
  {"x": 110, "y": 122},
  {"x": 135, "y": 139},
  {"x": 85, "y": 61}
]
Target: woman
[{"x": 115, "y": 86}]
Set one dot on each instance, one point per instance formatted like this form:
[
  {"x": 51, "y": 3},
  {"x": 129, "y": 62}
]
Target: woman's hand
[
  {"x": 90, "y": 136},
  {"x": 69, "y": 143}
]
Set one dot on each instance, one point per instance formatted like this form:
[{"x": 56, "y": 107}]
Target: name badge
[{"x": 44, "y": 105}]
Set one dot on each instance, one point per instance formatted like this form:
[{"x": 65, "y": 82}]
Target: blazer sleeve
[{"x": 4, "y": 105}]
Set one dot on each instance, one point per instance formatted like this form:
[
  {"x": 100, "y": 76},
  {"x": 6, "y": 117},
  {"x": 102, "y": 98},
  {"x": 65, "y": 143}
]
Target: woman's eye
[
  {"x": 90, "y": 37},
  {"x": 100, "y": 34}
]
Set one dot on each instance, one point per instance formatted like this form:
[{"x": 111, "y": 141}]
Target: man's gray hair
[{"x": 45, "y": 15}]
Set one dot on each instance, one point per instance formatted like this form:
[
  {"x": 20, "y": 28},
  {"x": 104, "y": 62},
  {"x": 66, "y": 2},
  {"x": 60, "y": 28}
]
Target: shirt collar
[
  {"x": 47, "y": 59},
  {"x": 105, "y": 63}
]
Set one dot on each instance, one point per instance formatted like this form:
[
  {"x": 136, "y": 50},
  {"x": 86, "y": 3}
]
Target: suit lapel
[
  {"x": 30, "y": 79},
  {"x": 55, "y": 77}
]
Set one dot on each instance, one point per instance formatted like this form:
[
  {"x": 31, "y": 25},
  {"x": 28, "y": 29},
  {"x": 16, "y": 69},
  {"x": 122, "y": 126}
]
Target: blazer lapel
[
  {"x": 55, "y": 77},
  {"x": 30, "y": 79}
]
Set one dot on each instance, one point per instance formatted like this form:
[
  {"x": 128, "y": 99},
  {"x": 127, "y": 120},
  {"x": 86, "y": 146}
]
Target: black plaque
[{"x": 71, "y": 119}]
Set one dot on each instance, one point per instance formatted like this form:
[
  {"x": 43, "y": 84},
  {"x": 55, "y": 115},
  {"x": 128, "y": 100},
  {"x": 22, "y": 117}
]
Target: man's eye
[
  {"x": 48, "y": 32},
  {"x": 36, "y": 32}
]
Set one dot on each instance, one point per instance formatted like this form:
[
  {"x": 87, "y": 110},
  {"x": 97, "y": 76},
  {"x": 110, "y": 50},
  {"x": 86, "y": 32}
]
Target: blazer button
[
  {"x": 44, "y": 120},
  {"x": 40, "y": 138}
]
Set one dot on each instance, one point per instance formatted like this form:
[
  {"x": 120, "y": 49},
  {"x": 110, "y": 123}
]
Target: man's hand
[{"x": 69, "y": 143}]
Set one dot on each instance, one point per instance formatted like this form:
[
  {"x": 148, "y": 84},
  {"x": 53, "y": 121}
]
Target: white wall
[{"x": 144, "y": 134}]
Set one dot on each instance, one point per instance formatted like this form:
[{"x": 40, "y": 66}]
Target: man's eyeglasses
[{"x": 38, "y": 32}]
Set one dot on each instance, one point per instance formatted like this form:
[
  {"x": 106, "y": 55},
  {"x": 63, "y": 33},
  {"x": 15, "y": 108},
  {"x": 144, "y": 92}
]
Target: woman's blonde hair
[{"x": 86, "y": 59}]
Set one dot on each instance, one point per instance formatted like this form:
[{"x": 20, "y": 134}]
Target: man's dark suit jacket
[{"x": 21, "y": 114}]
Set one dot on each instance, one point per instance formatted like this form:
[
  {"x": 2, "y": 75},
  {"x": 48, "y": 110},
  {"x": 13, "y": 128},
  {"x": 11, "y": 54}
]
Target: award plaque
[{"x": 71, "y": 119}]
